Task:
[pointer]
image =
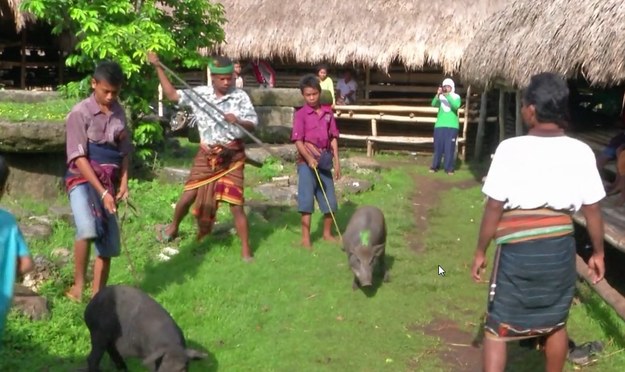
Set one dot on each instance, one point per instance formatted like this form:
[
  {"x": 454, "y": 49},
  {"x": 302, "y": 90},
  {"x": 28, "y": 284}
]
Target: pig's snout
[{"x": 365, "y": 276}]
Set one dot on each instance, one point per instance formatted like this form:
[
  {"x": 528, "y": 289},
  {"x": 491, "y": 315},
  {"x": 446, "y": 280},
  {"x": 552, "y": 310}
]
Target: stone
[
  {"x": 274, "y": 123},
  {"x": 17, "y": 211},
  {"x": 278, "y": 194},
  {"x": 34, "y": 229},
  {"x": 62, "y": 256},
  {"x": 286, "y": 152},
  {"x": 360, "y": 162},
  {"x": 285, "y": 97},
  {"x": 348, "y": 185},
  {"x": 173, "y": 175},
  {"x": 32, "y": 137},
  {"x": 26, "y": 96},
  {"x": 30, "y": 303},
  {"x": 43, "y": 270},
  {"x": 36, "y": 176},
  {"x": 62, "y": 212}
]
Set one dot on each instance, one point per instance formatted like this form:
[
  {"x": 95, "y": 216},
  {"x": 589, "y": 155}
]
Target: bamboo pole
[
  {"x": 381, "y": 109},
  {"x": 160, "y": 100},
  {"x": 481, "y": 126},
  {"x": 374, "y": 133},
  {"x": 611, "y": 296},
  {"x": 519, "y": 118},
  {"x": 467, "y": 110},
  {"x": 396, "y": 118},
  {"x": 502, "y": 116}
]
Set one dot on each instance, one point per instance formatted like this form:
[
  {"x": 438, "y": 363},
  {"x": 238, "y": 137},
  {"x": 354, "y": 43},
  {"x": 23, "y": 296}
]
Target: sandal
[
  {"x": 161, "y": 235},
  {"x": 582, "y": 354}
]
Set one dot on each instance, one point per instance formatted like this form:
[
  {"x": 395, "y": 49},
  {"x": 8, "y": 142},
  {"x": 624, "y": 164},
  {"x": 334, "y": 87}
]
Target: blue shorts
[
  {"x": 308, "y": 190},
  {"x": 85, "y": 222}
]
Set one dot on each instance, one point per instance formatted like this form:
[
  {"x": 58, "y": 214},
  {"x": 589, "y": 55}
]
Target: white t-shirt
[
  {"x": 344, "y": 89},
  {"x": 531, "y": 172}
]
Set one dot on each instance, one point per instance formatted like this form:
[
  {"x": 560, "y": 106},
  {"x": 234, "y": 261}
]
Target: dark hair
[
  {"x": 309, "y": 81},
  {"x": 321, "y": 67},
  {"x": 109, "y": 71},
  {"x": 4, "y": 173},
  {"x": 549, "y": 94}
]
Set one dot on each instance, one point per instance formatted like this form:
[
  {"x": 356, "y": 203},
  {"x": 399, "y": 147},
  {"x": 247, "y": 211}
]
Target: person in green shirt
[{"x": 446, "y": 127}]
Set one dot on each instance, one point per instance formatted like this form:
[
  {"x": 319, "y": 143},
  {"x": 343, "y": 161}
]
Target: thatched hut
[
  {"x": 372, "y": 33},
  {"x": 564, "y": 36},
  {"x": 10, "y": 14}
]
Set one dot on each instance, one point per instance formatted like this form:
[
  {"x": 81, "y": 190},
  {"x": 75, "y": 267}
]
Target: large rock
[
  {"x": 34, "y": 229},
  {"x": 274, "y": 123},
  {"x": 30, "y": 303},
  {"x": 36, "y": 176},
  {"x": 32, "y": 137},
  {"x": 27, "y": 96},
  {"x": 286, "y": 152},
  {"x": 278, "y": 194},
  {"x": 285, "y": 97},
  {"x": 43, "y": 270}
]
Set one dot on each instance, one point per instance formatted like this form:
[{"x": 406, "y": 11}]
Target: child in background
[
  {"x": 316, "y": 137},
  {"x": 14, "y": 255}
]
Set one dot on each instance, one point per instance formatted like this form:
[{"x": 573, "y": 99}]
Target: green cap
[{"x": 218, "y": 68}]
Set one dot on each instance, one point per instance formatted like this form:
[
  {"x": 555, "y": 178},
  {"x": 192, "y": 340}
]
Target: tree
[{"x": 123, "y": 31}]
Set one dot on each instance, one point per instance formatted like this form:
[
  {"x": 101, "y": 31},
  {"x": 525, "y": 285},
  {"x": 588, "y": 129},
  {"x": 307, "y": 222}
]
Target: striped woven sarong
[
  {"x": 521, "y": 225},
  {"x": 217, "y": 174}
]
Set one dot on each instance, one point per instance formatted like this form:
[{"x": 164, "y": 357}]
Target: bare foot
[
  {"x": 330, "y": 238},
  {"x": 306, "y": 244},
  {"x": 247, "y": 259},
  {"x": 74, "y": 293}
]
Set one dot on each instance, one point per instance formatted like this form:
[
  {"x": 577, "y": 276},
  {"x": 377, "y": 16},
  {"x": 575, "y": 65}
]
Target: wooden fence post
[
  {"x": 374, "y": 133},
  {"x": 519, "y": 119},
  {"x": 481, "y": 126}
]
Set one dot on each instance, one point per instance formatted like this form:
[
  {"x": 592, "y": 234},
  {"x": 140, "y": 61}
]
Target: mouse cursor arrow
[{"x": 441, "y": 271}]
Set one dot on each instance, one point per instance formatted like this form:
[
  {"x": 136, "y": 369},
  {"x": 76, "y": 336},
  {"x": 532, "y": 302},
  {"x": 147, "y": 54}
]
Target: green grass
[
  {"x": 293, "y": 309},
  {"x": 54, "y": 110}
]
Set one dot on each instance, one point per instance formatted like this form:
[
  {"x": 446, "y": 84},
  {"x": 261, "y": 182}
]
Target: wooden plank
[
  {"x": 397, "y": 118},
  {"x": 610, "y": 295},
  {"x": 407, "y": 89},
  {"x": 519, "y": 120},
  {"x": 466, "y": 123},
  {"x": 391, "y": 139},
  {"x": 613, "y": 222}
]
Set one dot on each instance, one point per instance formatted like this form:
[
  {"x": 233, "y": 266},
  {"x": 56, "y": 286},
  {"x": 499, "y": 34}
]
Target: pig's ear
[
  {"x": 154, "y": 357},
  {"x": 378, "y": 248},
  {"x": 194, "y": 354}
]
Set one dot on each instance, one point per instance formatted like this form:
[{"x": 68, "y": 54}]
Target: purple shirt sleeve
[
  {"x": 297, "y": 133},
  {"x": 76, "y": 135},
  {"x": 125, "y": 140}
]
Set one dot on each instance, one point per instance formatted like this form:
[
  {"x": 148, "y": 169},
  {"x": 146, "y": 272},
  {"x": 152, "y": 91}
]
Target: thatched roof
[
  {"x": 560, "y": 36},
  {"x": 368, "y": 32},
  {"x": 10, "y": 10}
]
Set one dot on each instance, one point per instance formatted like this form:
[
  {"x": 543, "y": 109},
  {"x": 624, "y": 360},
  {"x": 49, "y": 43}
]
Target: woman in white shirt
[{"x": 534, "y": 185}]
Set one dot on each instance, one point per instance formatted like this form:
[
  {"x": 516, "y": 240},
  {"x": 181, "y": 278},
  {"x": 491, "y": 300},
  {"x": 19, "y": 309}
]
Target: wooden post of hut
[
  {"x": 367, "y": 81},
  {"x": 466, "y": 124},
  {"x": 481, "y": 126},
  {"x": 23, "y": 60},
  {"x": 519, "y": 120},
  {"x": 160, "y": 100},
  {"x": 502, "y": 116}
]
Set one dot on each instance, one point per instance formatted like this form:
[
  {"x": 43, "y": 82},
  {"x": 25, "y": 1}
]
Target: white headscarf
[{"x": 444, "y": 102}]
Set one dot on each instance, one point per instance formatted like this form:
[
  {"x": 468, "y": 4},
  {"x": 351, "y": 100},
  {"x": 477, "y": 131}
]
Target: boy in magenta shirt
[{"x": 315, "y": 135}]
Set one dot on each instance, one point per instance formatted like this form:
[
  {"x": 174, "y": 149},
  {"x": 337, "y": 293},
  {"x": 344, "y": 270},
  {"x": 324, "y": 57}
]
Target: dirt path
[{"x": 457, "y": 350}]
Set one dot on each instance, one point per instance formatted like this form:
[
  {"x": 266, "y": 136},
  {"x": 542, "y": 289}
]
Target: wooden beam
[
  {"x": 610, "y": 295},
  {"x": 390, "y": 139},
  {"x": 374, "y": 133},
  {"x": 502, "y": 116},
  {"x": 23, "y": 61},
  {"x": 397, "y": 118},
  {"x": 367, "y": 81},
  {"x": 519, "y": 118},
  {"x": 381, "y": 109},
  {"x": 481, "y": 126},
  {"x": 465, "y": 125}
]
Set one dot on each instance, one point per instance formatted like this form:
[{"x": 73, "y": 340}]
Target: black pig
[
  {"x": 126, "y": 322},
  {"x": 364, "y": 242}
]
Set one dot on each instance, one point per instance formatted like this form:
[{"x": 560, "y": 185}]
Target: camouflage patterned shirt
[{"x": 213, "y": 128}]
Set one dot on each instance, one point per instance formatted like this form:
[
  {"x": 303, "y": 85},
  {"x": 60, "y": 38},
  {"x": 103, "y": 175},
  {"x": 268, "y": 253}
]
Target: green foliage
[
  {"x": 123, "y": 31},
  {"x": 144, "y": 135},
  {"x": 54, "y": 110},
  {"x": 272, "y": 167}
]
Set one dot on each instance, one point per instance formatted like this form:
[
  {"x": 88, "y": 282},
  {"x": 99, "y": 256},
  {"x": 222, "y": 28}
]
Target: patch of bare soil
[
  {"x": 426, "y": 196},
  {"x": 458, "y": 349}
]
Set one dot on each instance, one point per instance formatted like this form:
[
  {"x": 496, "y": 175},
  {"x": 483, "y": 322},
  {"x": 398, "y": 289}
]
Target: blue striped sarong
[{"x": 535, "y": 287}]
